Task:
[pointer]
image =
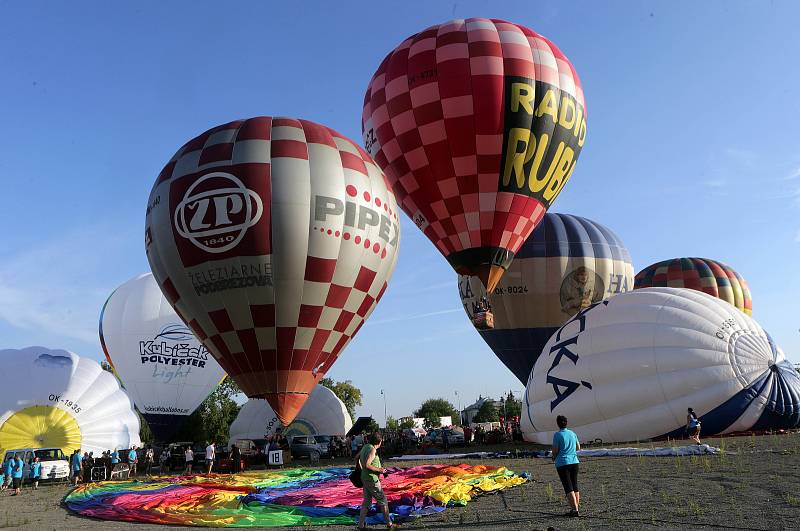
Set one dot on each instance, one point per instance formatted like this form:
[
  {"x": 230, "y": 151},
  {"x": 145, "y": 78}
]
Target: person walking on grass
[
  {"x": 77, "y": 467},
  {"x": 693, "y": 426},
  {"x": 16, "y": 475},
  {"x": 133, "y": 460},
  {"x": 353, "y": 446},
  {"x": 36, "y": 472},
  {"x": 236, "y": 457},
  {"x": 162, "y": 460},
  {"x": 565, "y": 456},
  {"x": 189, "y": 457},
  {"x": 8, "y": 471},
  {"x": 148, "y": 460},
  {"x": 371, "y": 467},
  {"x": 211, "y": 453}
]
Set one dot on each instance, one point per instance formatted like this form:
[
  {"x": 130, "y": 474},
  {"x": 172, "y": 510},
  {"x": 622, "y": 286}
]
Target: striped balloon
[
  {"x": 568, "y": 263},
  {"x": 478, "y": 125},
  {"x": 273, "y": 239},
  {"x": 701, "y": 274}
]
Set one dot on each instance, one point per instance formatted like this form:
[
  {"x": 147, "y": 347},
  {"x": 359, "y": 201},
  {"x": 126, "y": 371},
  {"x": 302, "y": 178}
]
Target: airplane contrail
[{"x": 418, "y": 316}]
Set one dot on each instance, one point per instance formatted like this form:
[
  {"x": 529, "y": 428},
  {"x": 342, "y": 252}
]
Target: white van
[{"x": 55, "y": 465}]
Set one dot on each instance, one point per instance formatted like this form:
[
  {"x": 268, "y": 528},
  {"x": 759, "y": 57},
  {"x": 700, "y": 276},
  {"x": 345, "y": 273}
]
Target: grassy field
[{"x": 752, "y": 484}]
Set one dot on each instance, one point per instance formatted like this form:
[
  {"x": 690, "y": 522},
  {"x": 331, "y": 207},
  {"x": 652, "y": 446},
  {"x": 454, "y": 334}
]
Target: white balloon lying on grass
[
  {"x": 627, "y": 368},
  {"x": 322, "y": 414},
  {"x": 56, "y": 399}
]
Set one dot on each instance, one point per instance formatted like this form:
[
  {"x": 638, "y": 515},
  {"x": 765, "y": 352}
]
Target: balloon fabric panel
[
  {"x": 284, "y": 497},
  {"x": 478, "y": 125},
  {"x": 292, "y": 247}
]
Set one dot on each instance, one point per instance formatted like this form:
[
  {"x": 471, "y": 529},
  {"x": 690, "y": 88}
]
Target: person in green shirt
[{"x": 371, "y": 467}]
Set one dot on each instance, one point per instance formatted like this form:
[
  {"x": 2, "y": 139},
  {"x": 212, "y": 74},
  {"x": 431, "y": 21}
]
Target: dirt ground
[{"x": 753, "y": 484}]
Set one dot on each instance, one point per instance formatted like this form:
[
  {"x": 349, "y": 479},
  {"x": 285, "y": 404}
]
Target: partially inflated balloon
[
  {"x": 164, "y": 368},
  {"x": 322, "y": 414},
  {"x": 273, "y": 239},
  {"x": 565, "y": 265},
  {"x": 56, "y": 399},
  {"x": 629, "y": 367},
  {"x": 478, "y": 124},
  {"x": 702, "y": 274}
]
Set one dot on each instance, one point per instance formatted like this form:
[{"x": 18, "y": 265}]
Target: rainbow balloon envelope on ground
[{"x": 287, "y": 497}]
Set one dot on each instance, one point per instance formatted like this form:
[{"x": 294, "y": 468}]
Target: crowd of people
[
  {"x": 88, "y": 467},
  {"x": 12, "y": 472},
  {"x": 110, "y": 464},
  {"x": 131, "y": 462}
]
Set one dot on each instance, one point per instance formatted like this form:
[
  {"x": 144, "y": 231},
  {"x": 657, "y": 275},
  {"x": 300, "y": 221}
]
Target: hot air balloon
[
  {"x": 273, "y": 239},
  {"x": 56, "y": 399},
  {"x": 164, "y": 368},
  {"x": 322, "y": 414},
  {"x": 702, "y": 274},
  {"x": 565, "y": 265},
  {"x": 478, "y": 125},
  {"x": 629, "y": 367}
]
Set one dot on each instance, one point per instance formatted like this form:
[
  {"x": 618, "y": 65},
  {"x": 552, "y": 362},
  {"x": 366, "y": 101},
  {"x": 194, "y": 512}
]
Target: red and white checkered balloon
[
  {"x": 273, "y": 239},
  {"x": 478, "y": 124}
]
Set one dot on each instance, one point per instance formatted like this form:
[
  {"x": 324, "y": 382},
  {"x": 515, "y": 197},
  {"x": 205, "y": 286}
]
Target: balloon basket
[{"x": 483, "y": 320}]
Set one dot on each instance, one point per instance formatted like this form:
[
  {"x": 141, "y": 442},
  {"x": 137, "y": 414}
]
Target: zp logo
[{"x": 216, "y": 211}]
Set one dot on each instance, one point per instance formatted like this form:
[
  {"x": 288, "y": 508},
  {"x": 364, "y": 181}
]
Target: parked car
[
  {"x": 304, "y": 446},
  {"x": 177, "y": 456},
  {"x": 453, "y": 437},
  {"x": 325, "y": 442},
  {"x": 55, "y": 465},
  {"x": 225, "y": 463},
  {"x": 199, "y": 450},
  {"x": 246, "y": 446},
  {"x": 249, "y": 447}
]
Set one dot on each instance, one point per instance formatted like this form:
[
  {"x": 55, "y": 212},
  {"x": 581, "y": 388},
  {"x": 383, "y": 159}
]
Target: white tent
[{"x": 322, "y": 414}]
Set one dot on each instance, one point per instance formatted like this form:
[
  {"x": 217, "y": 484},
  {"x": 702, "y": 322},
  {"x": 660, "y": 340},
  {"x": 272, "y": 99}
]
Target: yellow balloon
[{"x": 40, "y": 427}]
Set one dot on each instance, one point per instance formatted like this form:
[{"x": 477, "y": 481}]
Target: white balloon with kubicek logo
[{"x": 164, "y": 368}]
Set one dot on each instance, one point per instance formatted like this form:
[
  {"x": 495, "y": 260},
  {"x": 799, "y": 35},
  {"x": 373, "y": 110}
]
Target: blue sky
[{"x": 691, "y": 151}]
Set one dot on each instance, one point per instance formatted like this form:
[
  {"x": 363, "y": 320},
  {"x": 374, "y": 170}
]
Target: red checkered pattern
[
  {"x": 326, "y": 276},
  {"x": 435, "y": 108}
]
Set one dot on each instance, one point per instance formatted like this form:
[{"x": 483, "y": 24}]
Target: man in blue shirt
[
  {"x": 77, "y": 466},
  {"x": 132, "y": 460},
  {"x": 36, "y": 472},
  {"x": 114, "y": 457},
  {"x": 565, "y": 456},
  {"x": 17, "y": 474},
  {"x": 8, "y": 469}
]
